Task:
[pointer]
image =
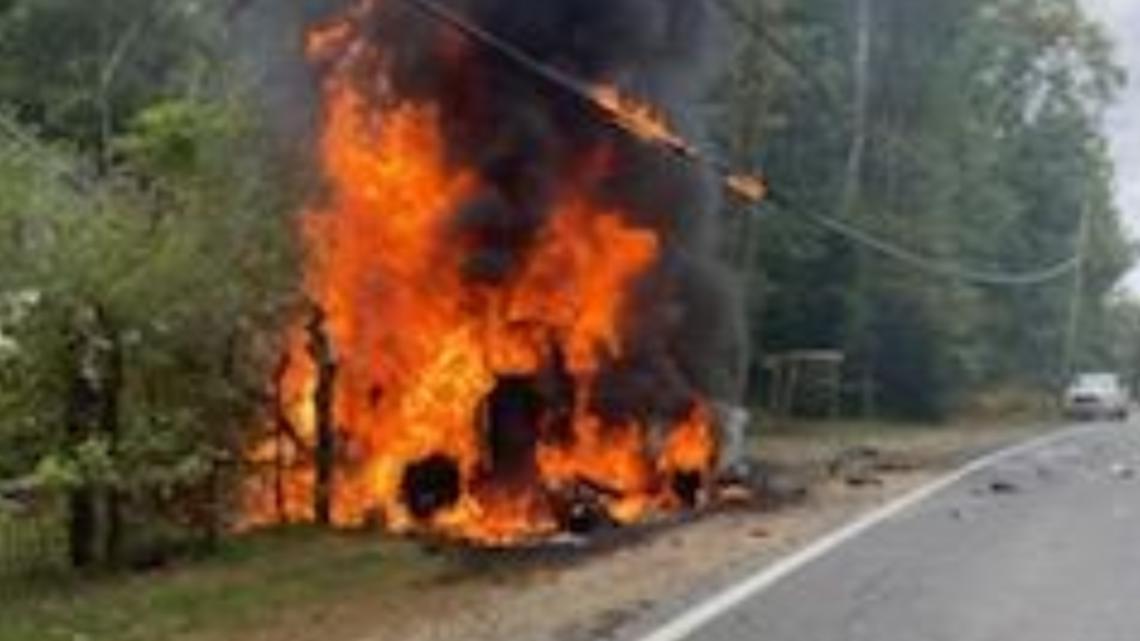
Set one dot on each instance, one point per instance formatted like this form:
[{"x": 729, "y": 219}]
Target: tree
[
  {"x": 146, "y": 233},
  {"x": 967, "y": 133}
]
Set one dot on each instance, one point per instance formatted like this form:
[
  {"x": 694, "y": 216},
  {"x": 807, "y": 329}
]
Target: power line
[
  {"x": 750, "y": 189},
  {"x": 953, "y": 271},
  {"x": 632, "y": 119},
  {"x": 734, "y": 182},
  {"x": 829, "y": 98}
]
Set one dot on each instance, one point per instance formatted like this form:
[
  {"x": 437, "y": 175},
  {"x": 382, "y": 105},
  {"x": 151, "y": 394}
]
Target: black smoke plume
[{"x": 524, "y": 135}]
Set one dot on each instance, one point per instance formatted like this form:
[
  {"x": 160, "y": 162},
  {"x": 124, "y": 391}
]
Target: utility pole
[
  {"x": 1076, "y": 302},
  {"x": 746, "y": 269},
  {"x": 852, "y": 193}
]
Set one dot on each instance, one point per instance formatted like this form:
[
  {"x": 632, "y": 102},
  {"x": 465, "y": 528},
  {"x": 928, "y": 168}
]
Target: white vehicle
[{"x": 1097, "y": 396}]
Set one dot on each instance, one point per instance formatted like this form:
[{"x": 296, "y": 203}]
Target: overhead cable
[{"x": 751, "y": 190}]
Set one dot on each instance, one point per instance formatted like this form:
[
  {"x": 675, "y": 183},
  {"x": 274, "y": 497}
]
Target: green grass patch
[
  {"x": 30, "y": 545},
  {"x": 253, "y": 583}
]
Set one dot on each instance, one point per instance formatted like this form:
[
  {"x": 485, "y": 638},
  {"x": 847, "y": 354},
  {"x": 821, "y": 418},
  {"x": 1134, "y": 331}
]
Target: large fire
[{"x": 465, "y": 404}]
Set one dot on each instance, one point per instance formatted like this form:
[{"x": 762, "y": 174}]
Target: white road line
[{"x": 686, "y": 624}]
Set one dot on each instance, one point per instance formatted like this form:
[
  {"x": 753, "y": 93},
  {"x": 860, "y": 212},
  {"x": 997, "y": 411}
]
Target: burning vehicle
[{"x": 518, "y": 325}]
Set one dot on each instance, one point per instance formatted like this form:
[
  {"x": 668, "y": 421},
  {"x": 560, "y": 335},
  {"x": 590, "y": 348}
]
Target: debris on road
[
  {"x": 1002, "y": 486},
  {"x": 755, "y": 482},
  {"x": 858, "y": 466},
  {"x": 1124, "y": 472}
]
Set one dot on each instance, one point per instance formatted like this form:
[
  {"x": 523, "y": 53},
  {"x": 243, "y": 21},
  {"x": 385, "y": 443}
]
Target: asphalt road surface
[{"x": 1041, "y": 546}]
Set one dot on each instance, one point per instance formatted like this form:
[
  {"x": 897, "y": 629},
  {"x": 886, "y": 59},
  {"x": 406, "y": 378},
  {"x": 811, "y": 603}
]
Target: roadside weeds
[{"x": 306, "y": 586}]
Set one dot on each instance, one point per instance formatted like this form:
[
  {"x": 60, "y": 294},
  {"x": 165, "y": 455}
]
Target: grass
[
  {"x": 306, "y": 585},
  {"x": 260, "y": 582},
  {"x": 30, "y": 545}
]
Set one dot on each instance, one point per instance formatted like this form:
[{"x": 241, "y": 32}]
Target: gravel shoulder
[
  {"x": 311, "y": 586},
  {"x": 1039, "y": 544},
  {"x": 592, "y": 594}
]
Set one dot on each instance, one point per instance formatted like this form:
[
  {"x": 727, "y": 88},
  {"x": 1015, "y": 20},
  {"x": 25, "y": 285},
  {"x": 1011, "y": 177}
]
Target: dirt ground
[
  {"x": 567, "y": 594},
  {"x": 318, "y": 586}
]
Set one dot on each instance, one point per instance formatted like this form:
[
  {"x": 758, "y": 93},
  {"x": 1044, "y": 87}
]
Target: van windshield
[{"x": 1097, "y": 381}]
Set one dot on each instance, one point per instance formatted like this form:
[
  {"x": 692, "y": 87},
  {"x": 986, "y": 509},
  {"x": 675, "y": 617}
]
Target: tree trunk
[
  {"x": 92, "y": 410},
  {"x": 281, "y": 430},
  {"x": 81, "y": 527},
  {"x": 110, "y": 392},
  {"x": 321, "y": 350},
  {"x": 81, "y": 403}
]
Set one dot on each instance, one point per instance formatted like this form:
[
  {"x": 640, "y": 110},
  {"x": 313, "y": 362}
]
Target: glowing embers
[{"x": 540, "y": 472}]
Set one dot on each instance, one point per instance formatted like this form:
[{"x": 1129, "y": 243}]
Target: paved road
[{"x": 1044, "y": 546}]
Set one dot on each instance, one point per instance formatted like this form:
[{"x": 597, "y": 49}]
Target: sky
[{"x": 1122, "y": 19}]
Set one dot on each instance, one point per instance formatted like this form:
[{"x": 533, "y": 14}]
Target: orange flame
[
  {"x": 649, "y": 124},
  {"x": 420, "y": 347},
  {"x": 751, "y": 188},
  {"x": 640, "y": 119}
]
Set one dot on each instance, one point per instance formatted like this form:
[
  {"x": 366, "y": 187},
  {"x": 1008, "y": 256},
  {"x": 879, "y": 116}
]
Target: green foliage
[
  {"x": 168, "y": 138},
  {"x": 81, "y": 70},
  {"x": 147, "y": 245},
  {"x": 267, "y": 585},
  {"x": 192, "y": 279},
  {"x": 148, "y": 256},
  {"x": 982, "y": 148}
]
